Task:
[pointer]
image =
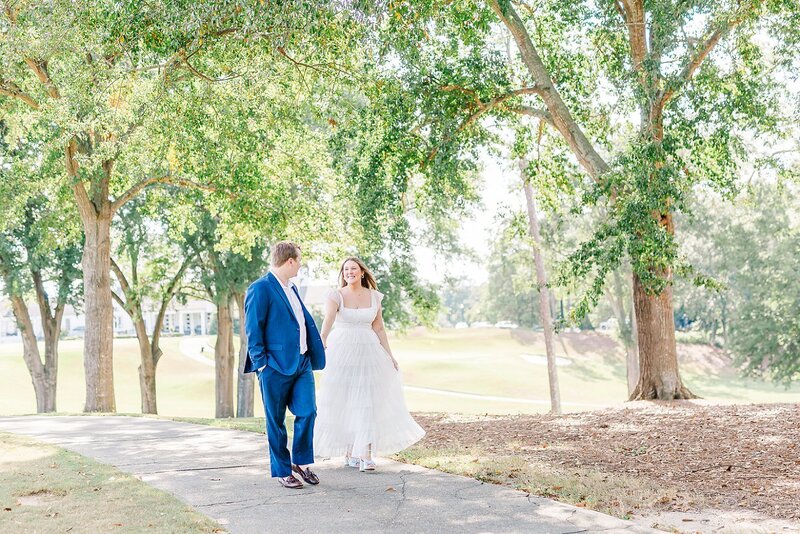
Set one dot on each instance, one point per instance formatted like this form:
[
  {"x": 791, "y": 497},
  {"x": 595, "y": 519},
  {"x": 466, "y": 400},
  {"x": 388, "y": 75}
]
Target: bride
[{"x": 361, "y": 410}]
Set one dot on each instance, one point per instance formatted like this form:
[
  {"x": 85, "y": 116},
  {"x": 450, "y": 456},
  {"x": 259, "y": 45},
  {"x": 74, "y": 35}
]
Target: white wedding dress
[{"x": 361, "y": 400}]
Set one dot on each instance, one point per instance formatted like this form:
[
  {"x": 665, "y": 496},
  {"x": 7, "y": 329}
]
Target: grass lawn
[
  {"x": 503, "y": 364},
  {"x": 185, "y": 387},
  {"x": 46, "y": 489}
]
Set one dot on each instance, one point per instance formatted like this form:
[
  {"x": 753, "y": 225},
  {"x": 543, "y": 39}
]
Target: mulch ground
[{"x": 736, "y": 457}]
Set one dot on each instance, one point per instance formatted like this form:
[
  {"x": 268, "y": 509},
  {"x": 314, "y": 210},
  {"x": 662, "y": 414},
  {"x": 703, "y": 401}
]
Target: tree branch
[
  {"x": 619, "y": 6},
  {"x": 10, "y": 12},
  {"x": 483, "y": 107},
  {"x": 41, "y": 297},
  {"x": 120, "y": 301},
  {"x": 315, "y": 66},
  {"x": 85, "y": 206},
  {"x": 59, "y": 315},
  {"x": 30, "y": 351},
  {"x": 136, "y": 188},
  {"x": 123, "y": 281},
  {"x": 696, "y": 58},
  {"x": 459, "y": 88},
  {"x": 516, "y": 92},
  {"x": 563, "y": 121},
  {"x": 13, "y": 90},
  {"x": 637, "y": 31},
  {"x": 542, "y": 114},
  {"x": 197, "y": 293},
  {"x": 208, "y": 78},
  {"x": 449, "y": 137},
  {"x": 40, "y": 69}
]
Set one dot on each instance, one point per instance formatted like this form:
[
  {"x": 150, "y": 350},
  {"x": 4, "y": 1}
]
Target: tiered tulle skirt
[{"x": 360, "y": 402}]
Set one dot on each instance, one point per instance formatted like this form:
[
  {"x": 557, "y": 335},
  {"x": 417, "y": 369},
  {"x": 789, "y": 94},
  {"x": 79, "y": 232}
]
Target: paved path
[{"x": 224, "y": 474}]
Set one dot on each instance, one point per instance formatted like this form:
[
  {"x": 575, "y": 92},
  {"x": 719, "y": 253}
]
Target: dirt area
[{"x": 710, "y": 464}]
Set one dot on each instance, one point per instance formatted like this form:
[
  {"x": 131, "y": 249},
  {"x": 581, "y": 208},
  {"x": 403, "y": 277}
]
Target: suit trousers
[{"x": 279, "y": 391}]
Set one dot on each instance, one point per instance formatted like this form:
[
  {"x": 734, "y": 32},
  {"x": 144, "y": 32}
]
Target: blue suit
[{"x": 273, "y": 342}]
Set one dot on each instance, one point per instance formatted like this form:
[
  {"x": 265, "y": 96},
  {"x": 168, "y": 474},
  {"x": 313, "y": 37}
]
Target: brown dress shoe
[
  {"x": 290, "y": 482},
  {"x": 306, "y": 473}
]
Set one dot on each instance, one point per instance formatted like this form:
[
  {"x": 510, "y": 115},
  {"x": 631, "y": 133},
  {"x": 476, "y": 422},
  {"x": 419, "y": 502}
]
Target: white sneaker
[
  {"x": 366, "y": 465},
  {"x": 351, "y": 462}
]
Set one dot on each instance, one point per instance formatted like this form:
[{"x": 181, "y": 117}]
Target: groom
[{"x": 283, "y": 347}]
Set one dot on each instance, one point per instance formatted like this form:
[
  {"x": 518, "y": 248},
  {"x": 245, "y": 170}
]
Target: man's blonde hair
[{"x": 283, "y": 251}]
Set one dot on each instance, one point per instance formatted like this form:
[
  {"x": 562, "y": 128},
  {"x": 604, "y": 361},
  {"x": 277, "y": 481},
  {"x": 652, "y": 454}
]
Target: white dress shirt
[
  {"x": 298, "y": 314},
  {"x": 297, "y": 308}
]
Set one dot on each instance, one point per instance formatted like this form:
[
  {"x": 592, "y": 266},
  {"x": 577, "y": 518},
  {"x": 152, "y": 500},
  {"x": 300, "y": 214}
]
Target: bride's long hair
[{"x": 367, "y": 278}]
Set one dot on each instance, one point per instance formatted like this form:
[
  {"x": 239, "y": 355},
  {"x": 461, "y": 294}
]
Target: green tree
[
  {"x": 42, "y": 250},
  {"x": 149, "y": 269},
  {"x": 456, "y": 295},
  {"x": 751, "y": 248},
  {"x": 510, "y": 292},
  {"x": 221, "y": 277},
  {"x": 393, "y": 202},
  {"x": 270, "y": 177},
  {"x": 40, "y": 246},
  {"x": 109, "y": 79},
  {"x": 650, "y": 99}
]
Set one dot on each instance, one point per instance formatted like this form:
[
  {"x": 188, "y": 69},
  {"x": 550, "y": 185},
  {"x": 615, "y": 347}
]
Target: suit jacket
[{"x": 273, "y": 332}]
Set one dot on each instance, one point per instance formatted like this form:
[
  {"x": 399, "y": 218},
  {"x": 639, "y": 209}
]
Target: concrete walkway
[{"x": 225, "y": 475}]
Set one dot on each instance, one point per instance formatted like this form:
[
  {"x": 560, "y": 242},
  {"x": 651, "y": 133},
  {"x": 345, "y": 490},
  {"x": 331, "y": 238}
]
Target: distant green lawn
[{"x": 477, "y": 361}]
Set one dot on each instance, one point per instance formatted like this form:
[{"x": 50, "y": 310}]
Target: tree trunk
[
  {"x": 44, "y": 383},
  {"x": 223, "y": 357},
  {"x": 149, "y": 350},
  {"x": 99, "y": 338},
  {"x": 147, "y": 359},
  {"x": 51, "y": 335},
  {"x": 632, "y": 353},
  {"x": 245, "y": 387},
  {"x": 544, "y": 296},
  {"x": 658, "y": 357},
  {"x": 51, "y": 327},
  {"x": 147, "y": 368}
]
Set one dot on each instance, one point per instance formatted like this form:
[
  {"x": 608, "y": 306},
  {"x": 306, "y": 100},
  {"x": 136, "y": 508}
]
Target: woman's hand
[{"x": 394, "y": 362}]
